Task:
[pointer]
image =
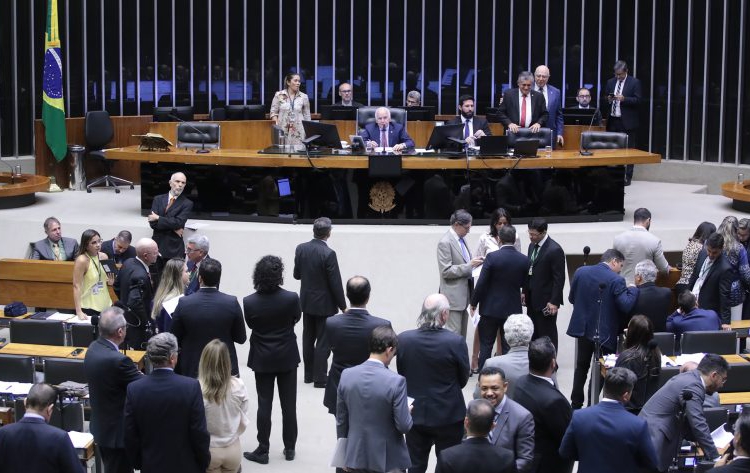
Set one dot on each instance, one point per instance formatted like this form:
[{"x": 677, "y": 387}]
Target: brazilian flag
[{"x": 53, "y": 108}]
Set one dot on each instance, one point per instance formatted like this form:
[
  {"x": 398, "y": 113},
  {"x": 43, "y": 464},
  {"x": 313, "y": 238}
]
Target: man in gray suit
[
  {"x": 518, "y": 331},
  {"x": 687, "y": 389},
  {"x": 455, "y": 264},
  {"x": 372, "y": 411},
  {"x": 55, "y": 247},
  {"x": 638, "y": 244},
  {"x": 514, "y": 425}
]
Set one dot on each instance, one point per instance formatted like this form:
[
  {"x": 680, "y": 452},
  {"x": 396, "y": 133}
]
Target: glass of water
[{"x": 548, "y": 151}]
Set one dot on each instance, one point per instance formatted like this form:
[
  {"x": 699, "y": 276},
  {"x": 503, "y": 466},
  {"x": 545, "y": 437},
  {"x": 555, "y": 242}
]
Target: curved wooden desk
[
  {"x": 20, "y": 191},
  {"x": 739, "y": 193}
]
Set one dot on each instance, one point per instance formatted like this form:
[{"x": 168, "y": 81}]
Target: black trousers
[
  {"x": 287, "y": 382},
  {"x": 421, "y": 438},
  {"x": 115, "y": 460},
  {"x": 488, "y": 327},
  {"x": 315, "y": 348},
  {"x": 544, "y": 325},
  {"x": 583, "y": 361}
]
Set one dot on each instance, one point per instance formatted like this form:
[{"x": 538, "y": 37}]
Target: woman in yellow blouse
[
  {"x": 90, "y": 280},
  {"x": 289, "y": 108}
]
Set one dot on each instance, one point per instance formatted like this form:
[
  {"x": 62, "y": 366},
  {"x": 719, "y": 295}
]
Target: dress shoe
[
  {"x": 308, "y": 380},
  {"x": 319, "y": 385},
  {"x": 257, "y": 457},
  {"x": 289, "y": 454}
]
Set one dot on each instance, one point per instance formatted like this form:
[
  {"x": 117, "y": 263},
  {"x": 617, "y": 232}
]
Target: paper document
[
  {"x": 685, "y": 357},
  {"x": 80, "y": 439},
  {"x": 721, "y": 437},
  {"x": 76, "y": 320},
  {"x": 60, "y": 316}
]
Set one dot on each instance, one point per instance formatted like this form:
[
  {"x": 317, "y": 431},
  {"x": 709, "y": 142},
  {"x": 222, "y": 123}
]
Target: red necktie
[{"x": 523, "y": 112}]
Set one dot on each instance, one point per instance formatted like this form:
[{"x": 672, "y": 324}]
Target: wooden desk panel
[
  {"x": 734, "y": 398},
  {"x": 50, "y": 351}
]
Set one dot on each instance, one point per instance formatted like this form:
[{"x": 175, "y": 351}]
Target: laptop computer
[
  {"x": 493, "y": 146},
  {"x": 526, "y": 148}
]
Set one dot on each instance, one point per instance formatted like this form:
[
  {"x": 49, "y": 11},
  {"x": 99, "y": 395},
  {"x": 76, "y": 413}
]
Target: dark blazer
[
  {"x": 353, "y": 104},
  {"x": 631, "y": 90},
  {"x": 109, "y": 372},
  {"x": 396, "y": 134},
  {"x": 165, "y": 424},
  {"x": 617, "y": 302},
  {"x": 547, "y": 276},
  {"x": 321, "y": 292},
  {"x": 510, "y": 110},
  {"x": 273, "y": 344},
  {"x": 42, "y": 249},
  {"x": 737, "y": 466},
  {"x": 552, "y": 413},
  {"x": 34, "y": 446},
  {"x": 479, "y": 124},
  {"x": 498, "y": 291},
  {"x": 606, "y": 437},
  {"x": 694, "y": 321},
  {"x": 108, "y": 248},
  {"x": 349, "y": 337},
  {"x": 717, "y": 286},
  {"x": 170, "y": 243},
  {"x": 475, "y": 455},
  {"x": 201, "y": 317},
  {"x": 193, "y": 285},
  {"x": 554, "y": 107},
  {"x": 435, "y": 363},
  {"x": 133, "y": 287},
  {"x": 655, "y": 303}
]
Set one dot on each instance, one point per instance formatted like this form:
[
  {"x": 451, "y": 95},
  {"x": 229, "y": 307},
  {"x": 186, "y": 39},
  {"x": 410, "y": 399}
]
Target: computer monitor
[
  {"x": 328, "y": 134},
  {"x": 168, "y": 114},
  {"x": 338, "y": 112},
  {"x": 424, "y": 114},
  {"x": 581, "y": 116},
  {"x": 439, "y": 139}
]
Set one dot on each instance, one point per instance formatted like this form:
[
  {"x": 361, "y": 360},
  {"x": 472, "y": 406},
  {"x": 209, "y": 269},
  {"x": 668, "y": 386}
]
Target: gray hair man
[
  {"x": 653, "y": 301},
  {"x": 522, "y": 107},
  {"x": 196, "y": 252},
  {"x": 518, "y": 332},
  {"x": 413, "y": 99}
]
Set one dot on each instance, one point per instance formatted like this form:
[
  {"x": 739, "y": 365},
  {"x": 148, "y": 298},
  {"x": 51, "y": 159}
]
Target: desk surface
[
  {"x": 52, "y": 351},
  {"x": 734, "y": 398}
]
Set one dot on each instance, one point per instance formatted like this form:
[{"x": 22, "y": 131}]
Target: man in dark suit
[
  {"x": 372, "y": 411},
  {"x": 474, "y": 127},
  {"x": 109, "y": 373},
  {"x": 606, "y": 437},
  {"x": 498, "y": 291},
  {"x": 476, "y": 454},
  {"x": 55, "y": 247},
  {"x": 386, "y": 133},
  {"x": 196, "y": 251},
  {"x": 600, "y": 301},
  {"x": 169, "y": 212},
  {"x": 119, "y": 249},
  {"x": 522, "y": 107},
  {"x": 537, "y": 393},
  {"x": 544, "y": 288},
  {"x": 321, "y": 296},
  {"x": 739, "y": 462},
  {"x": 690, "y": 318},
  {"x": 553, "y": 100},
  {"x": 165, "y": 422},
  {"x": 136, "y": 292},
  {"x": 32, "y": 445},
  {"x": 205, "y": 315},
  {"x": 712, "y": 279},
  {"x": 653, "y": 301},
  {"x": 624, "y": 99},
  {"x": 435, "y": 363},
  {"x": 348, "y": 335},
  {"x": 661, "y": 410},
  {"x": 346, "y": 92}
]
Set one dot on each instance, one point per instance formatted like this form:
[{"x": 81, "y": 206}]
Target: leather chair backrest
[
  {"x": 17, "y": 368},
  {"x": 38, "y": 332},
  {"x": 81, "y": 335},
  {"x": 99, "y": 129},
  {"x": 217, "y": 114},
  {"x": 666, "y": 342},
  {"x": 366, "y": 115},
  {"x": 544, "y": 135},
  {"x": 720, "y": 342},
  {"x": 59, "y": 370},
  {"x": 738, "y": 379},
  {"x": 192, "y": 135},
  {"x": 603, "y": 140}
]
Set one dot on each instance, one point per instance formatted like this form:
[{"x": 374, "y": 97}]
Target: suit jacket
[
  {"x": 455, "y": 271},
  {"x": 321, "y": 292},
  {"x": 32, "y": 445},
  {"x": 396, "y": 134},
  {"x": 42, "y": 249},
  {"x": 372, "y": 413},
  {"x": 194, "y": 284},
  {"x": 547, "y": 276},
  {"x": 741, "y": 465},
  {"x": 552, "y": 413},
  {"x": 554, "y": 108},
  {"x": 631, "y": 90},
  {"x": 435, "y": 363},
  {"x": 109, "y": 373},
  {"x": 715, "y": 291},
  {"x": 514, "y": 430},
  {"x": 510, "y": 110},
  {"x": 617, "y": 302},
  {"x": 655, "y": 303},
  {"x": 170, "y": 243},
  {"x": 638, "y": 244},
  {"x": 606, "y": 437},
  {"x": 271, "y": 317},
  {"x": 165, "y": 424},
  {"x": 661, "y": 414},
  {"x": 479, "y": 123},
  {"x": 349, "y": 337},
  {"x": 476, "y": 455},
  {"x": 514, "y": 364},
  {"x": 503, "y": 276},
  {"x": 133, "y": 287},
  {"x": 694, "y": 321},
  {"x": 108, "y": 248},
  {"x": 201, "y": 317},
  {"x": 353, "y": 104}
]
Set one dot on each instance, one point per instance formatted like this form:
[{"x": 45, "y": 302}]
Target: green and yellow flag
[{"x": 53, "y": 108}]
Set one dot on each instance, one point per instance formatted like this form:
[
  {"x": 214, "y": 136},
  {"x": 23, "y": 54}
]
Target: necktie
[
  {"x": 523, "y": 112},
  {"x": 171, "y": 201},
  {"x": 467, "y": 131},
  {"x": 534, "y": 253},
  {"x": 616, "y": 103},
  {"x": 56, "y": 251},
  {"x": 464, "y": 249},
  {"x": 384, "y": 137}
]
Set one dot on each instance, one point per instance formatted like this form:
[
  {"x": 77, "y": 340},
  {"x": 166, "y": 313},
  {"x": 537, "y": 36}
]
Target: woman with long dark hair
[
  {"x": 643, "y": 357},
  {"x": 289, "y": 107},
  {"x": 690, "y": 253},
  {"x": 90, "y": 280}
]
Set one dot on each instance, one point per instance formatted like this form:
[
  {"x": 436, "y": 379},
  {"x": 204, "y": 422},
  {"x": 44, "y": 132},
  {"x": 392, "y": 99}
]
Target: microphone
[
  {"x": 12, "y": 172},
  {"x": 586, "y": 251},
  {"x": 586, "y": 152},
  {"x": 203, "y": 134}
]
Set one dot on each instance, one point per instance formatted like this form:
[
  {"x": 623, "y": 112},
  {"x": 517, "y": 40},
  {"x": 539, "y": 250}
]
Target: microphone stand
[
  {"x": 586, "y": 152},
  {"x": 203, "y": 134},
  {"x": 307, "y": 142},
  {"x": 12, "y": 172},
  {"x": 685, "y": 396},
  {"x": 594, "y": 385}
]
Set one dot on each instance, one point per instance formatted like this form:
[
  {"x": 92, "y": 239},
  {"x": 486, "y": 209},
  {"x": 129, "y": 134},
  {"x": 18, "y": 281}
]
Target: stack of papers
[
  {"x": 15, "y": 389},
  {"x": 69, "y": 318},
  {"x": 80, "y": 439}
]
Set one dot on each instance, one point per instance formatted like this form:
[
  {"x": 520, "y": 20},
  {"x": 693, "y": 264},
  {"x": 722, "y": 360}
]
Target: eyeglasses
[
  {"x": 345, "y": 91},
  {"x": 191, "y": 250},
  {"x": 584, "y": 96}
]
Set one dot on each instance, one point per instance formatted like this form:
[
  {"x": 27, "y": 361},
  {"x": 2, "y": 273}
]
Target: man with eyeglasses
[
  {"x": 346, "y": 92},
  {"x": 136, "y": 292},
  {"x": 413, "y": 99},
  {"x": 196, "y": 251}
]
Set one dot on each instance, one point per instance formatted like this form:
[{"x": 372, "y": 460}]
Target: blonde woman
[
  {"x": 227, "y": 406},
  {"x": 90, "y": 280},
  {"x": 174, "y": 278}
]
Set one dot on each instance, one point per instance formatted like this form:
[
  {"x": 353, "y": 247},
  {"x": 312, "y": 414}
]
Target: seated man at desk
[
  {"x": 385, "y": 134},
  {"x": 474, "y": 127}
]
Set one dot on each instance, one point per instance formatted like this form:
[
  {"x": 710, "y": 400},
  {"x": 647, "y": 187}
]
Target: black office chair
[
  {"x": 81, "y": 335},
  {"x": 715, "y": 417},
  {"x": 666, "y": 342},
  {"x": 17, "y": 368},
  {"x": 366, "y": 115},
  {"x": 603, "y": 140},
  {"x": 544, "y": 135},
  {"x": 720, "y": 342},
  {"x": 59, "y": 370},
  {"x": 99, "y": 132},
  {"x": 198, "y": 134},
  {"x": 37, "y": 332},
  {"x": 217, "y": 114},
  {"x": 738, "y": 379},
  {"x": 667, "y": 373}
]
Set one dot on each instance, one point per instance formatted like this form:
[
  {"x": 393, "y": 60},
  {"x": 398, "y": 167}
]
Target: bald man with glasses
[{"x": 346, "y": 92}]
